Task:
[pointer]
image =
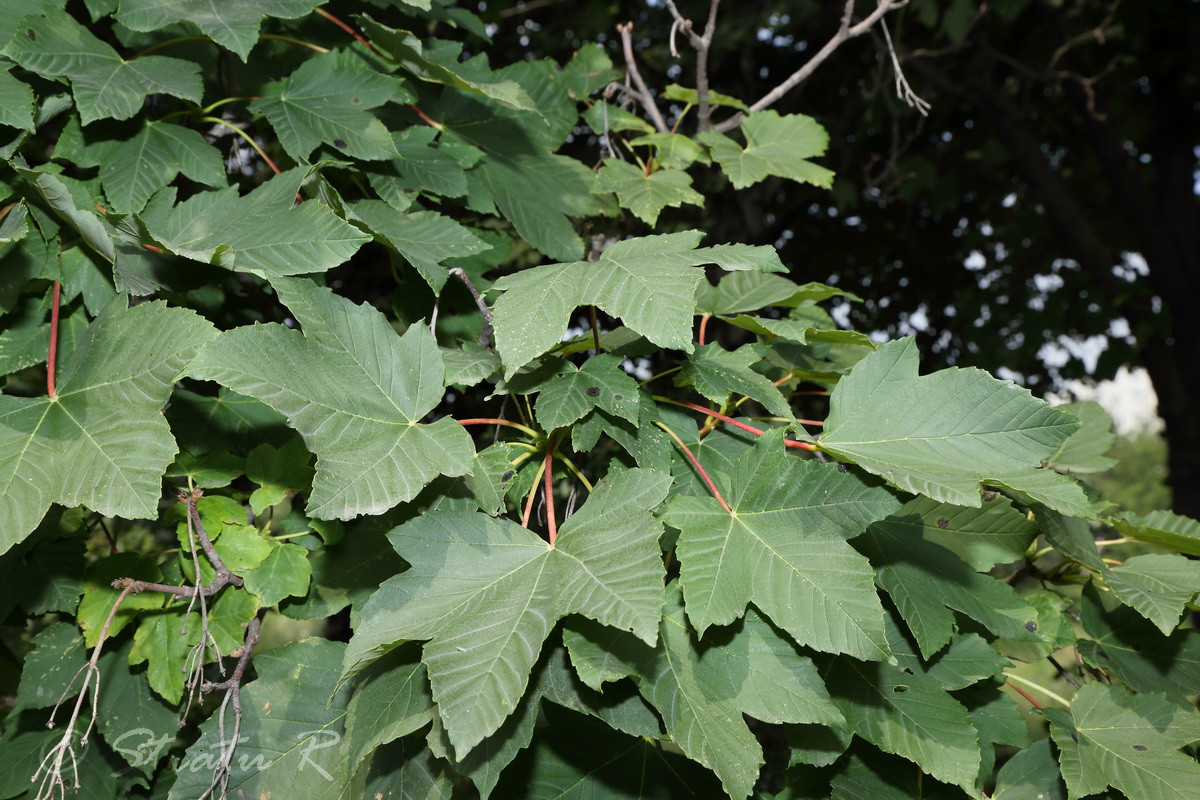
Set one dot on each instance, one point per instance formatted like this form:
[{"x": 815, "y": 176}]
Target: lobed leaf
[
  {"x": 360, "y": 413},
  {"x": 944, "y": 434}
]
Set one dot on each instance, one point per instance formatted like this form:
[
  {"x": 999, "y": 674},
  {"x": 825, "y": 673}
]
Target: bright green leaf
[
  {"x": 361, "y": 414},
  {"x": 943, "y": 434},
  {"x": 231, "y": 23},
  {"x": 105, "y": 85},
  {"x": 647, "y": 195},
  {"x": 1130, "y": 743},
  {"x": 717, "y": 373},
  {"x": 1084, "y": 450},
  {"x": 674, "y": 150},
  {"x": 784, "y": 548},
  {"x": 101, "y": 440},
  {"x": 775, "y": 145},
  {"x": 486, "y": 619},
  {"x": 649, "y": 282},
  {"x": 141, "y": 165},
  {"x": 260, "y": 232},
  {"x": 574, "y": 391},
  {"x": 1158, "y": 586},
  {"x": 676, "y": 92},
  {"x": 327, "y": 101},
  {"x": 1164, "y": 529}
]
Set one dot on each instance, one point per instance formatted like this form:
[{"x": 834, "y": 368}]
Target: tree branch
[
  {"x": 845, "y": 33},
  {"x": 643, "y": 92},
  {"x": 702, "y": 43}
]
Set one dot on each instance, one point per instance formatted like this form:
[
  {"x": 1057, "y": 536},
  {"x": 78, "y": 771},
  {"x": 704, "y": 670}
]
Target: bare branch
[
  {"x": 845, "y": 33},
  {"x": 903, "y": 90},
  {"x": 485, "y": 335},
  {"x": 233, "y": 697},
  {"x": 702, "y": 44},
  {"x": 643, "y": 92}
]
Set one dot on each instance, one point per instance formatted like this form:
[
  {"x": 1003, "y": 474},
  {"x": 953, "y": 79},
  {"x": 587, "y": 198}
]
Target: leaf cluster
[{"x": 307, "y": 322}]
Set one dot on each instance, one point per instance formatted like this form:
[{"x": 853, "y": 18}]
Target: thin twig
[
  {"x": 485, "y": 335},
  {"x": 845, "y": 32},
  {"x": 903, "y": 90},
  {"x": 643, "y": 92},
  {"x": 702, "y": 43},
  {"x": 233, "y": 696}
]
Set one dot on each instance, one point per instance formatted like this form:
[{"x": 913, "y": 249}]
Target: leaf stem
[
  {"x": 52, "y": 357},
  {"x": 300, "y": 42},
  {"x": 537, "y": 479},
  {"x": 249, "y": 139},
  {"x": 736, "y": 423},
  {"x": 347, "y": 29},
  {"x": 662, "y": 374},
  {"x": 1009, "y": 678},
  {"x": 712, "y": 487},
  {"x": 595, "y": 329},
  {"x": 167, "y": 43},
  {"x": 704, "y": 318},
  {"x": 578, "y": 473},
  {"x": 507, "y": 422},
  {"x": 427, "y": 119},
  {"x": 548, "y": 492}
]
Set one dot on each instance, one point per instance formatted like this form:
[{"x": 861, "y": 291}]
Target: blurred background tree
[{"x": 1041, "y": 221}]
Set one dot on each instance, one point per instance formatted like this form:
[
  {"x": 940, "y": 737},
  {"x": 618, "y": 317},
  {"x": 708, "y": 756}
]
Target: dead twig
[{"x": 643, "y": 92}]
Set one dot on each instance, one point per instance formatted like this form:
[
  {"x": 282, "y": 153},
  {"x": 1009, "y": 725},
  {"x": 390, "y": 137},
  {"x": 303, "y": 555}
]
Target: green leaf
[
  {"x": 56, "y": 194},
  {"x": 576, "y": 754},
  {"x": 744, "y": 291},
  {"x": 327, "y": 101},
  {"x": 1031, "y": 774},
  {"x": 260, "y": 232},
  {"x": 420, "y": 167},
  {"x": 135, "y": 723},
  {"x": 574, "y": 391},
  {"x": 649, "y": 282},
  {"x": 702, "y": 688},
  {"x": 231, "y": 24},
  {"x": 139, "y": 166},
  {"x": 676, "y": 92},
  {"x": 440, "y": 64},
  {"x": 228, "y": 420},
  {"x": 925, "y": 580},
  {"x": 391, "y": 699},
  {"x": 647, "y": 195},
  {"x": 995, "y": 533},
  {"x": 486, "y": 619},
  {"x": 1084, "y": 450},
  {"x": 16, "y": 102},
  {"x": 52, "y": 669},
  {"x": 99, "y": 595},
  {"x": 1158, "y": 586},
  {"x": 361, "y": 414},
  {"x": 1164, "y": 529},
  {"x": 162, "y": 642},
  {"x": 279, "y": 473},
  {"x": 102, "y": 440},
  {"x": 292, "y": 718},
  {"x": 717, "y": 373},
  {"x": 1126, "y": 644},
  {"x": 674, "y": 150},
  {"x": 425, "y": 238},
  {"x": 943, "y": 434},
  {"x": 603, "y": 117},
  {"x": 815, "y": 586},
  {"x": 907, "y": 714},
  {"x": 1130, "y": 743},
  {"x": 775, "y": 145},
  {"x": 799, "y": 330},
  {"x": 283, "y": 573},
  {"x": 104, "y": 84}
]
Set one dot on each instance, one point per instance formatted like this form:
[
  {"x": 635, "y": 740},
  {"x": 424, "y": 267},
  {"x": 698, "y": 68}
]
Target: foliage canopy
[{"x": 312, "y": 319}]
